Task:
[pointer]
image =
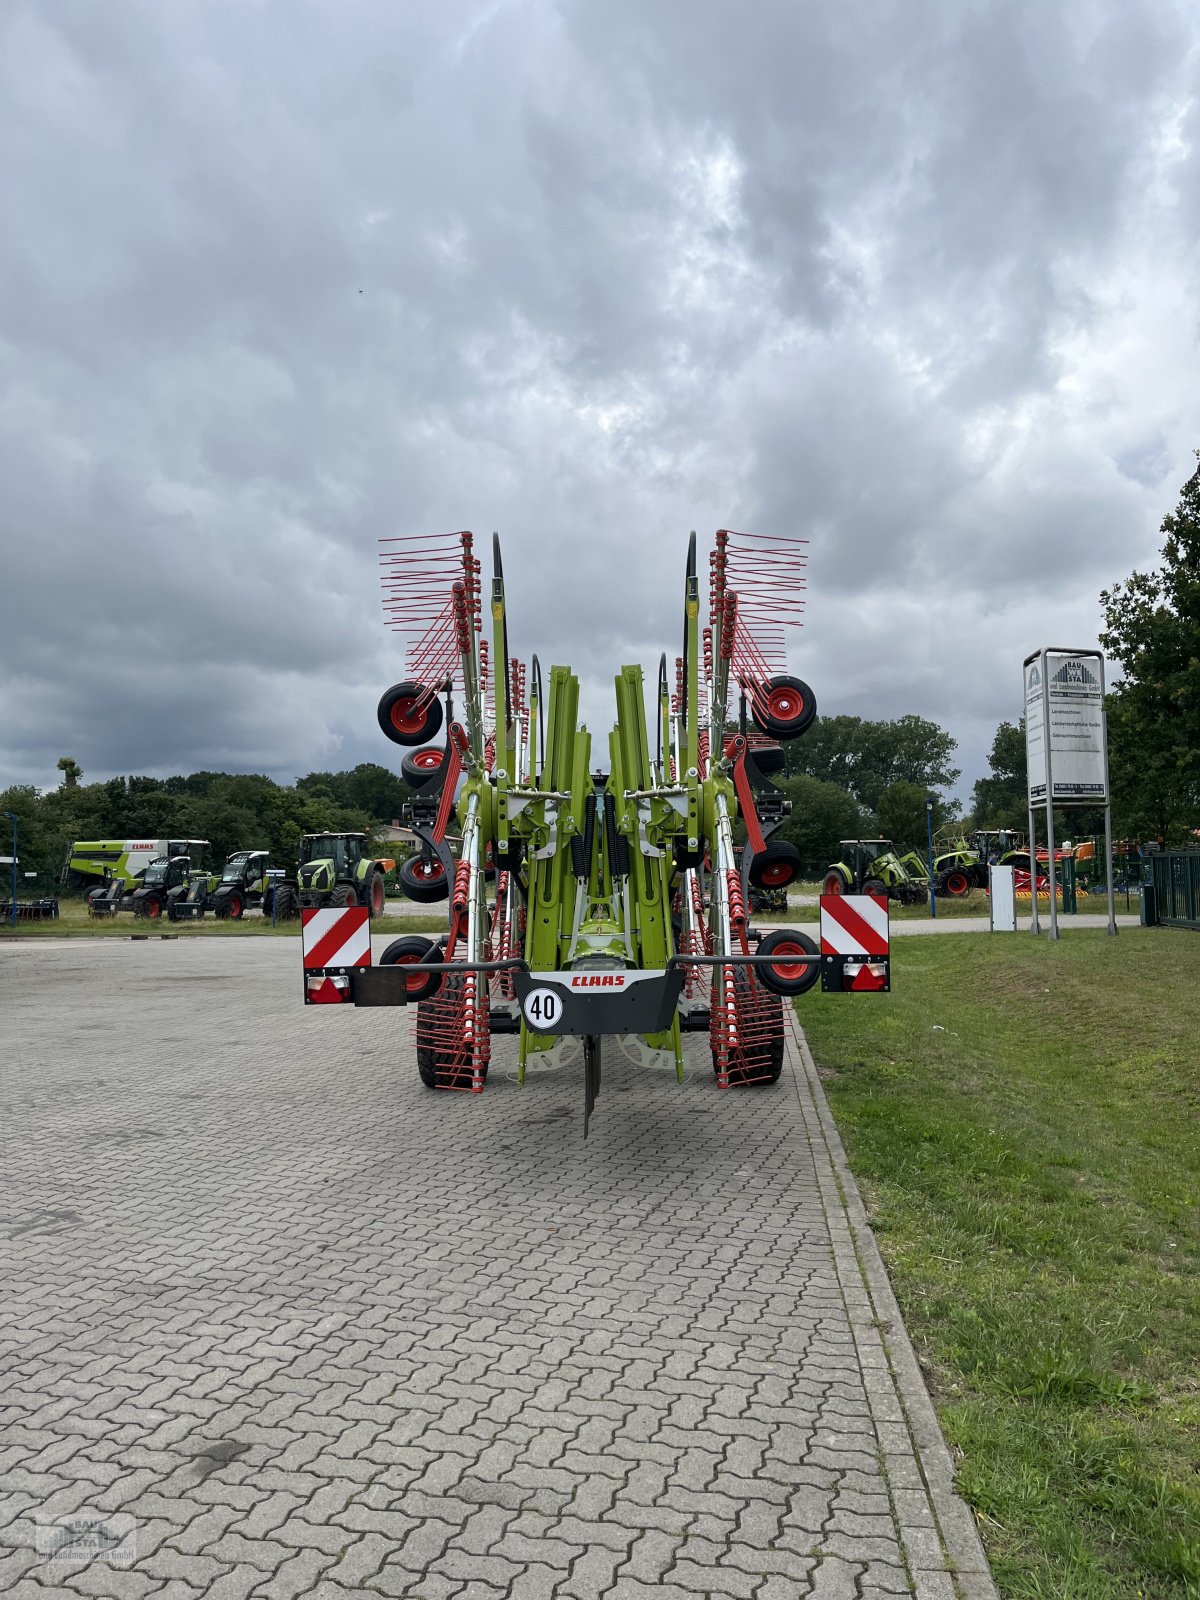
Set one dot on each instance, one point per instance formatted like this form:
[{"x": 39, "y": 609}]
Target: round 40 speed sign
[{"x": 543, "y": 1008}]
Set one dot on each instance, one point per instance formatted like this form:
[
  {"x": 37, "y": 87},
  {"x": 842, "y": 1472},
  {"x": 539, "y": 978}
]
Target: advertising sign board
[{"x": 1064, "y": 702}]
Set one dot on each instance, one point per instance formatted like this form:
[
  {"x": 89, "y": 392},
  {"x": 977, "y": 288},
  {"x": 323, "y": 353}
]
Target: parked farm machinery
[
  {"x": 619, "y": 900},
  {"x": 871, "y": 866}
]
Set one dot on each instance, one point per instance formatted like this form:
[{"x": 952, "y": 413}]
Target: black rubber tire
[
  {"x": 221, "y": 908},
  {"x": 686, "y": 859},
  {"x": 268, "y": 900},
  {"x": 287, "y": 902},
  {"x": 423, "y": 879},
  {"x": 149, "y": 906},
  {"x": 776, "y": 866},
  {"x": 237, "y": 906},
  {"x": 791, "y": 980},
  {"x": 836, "y": 882},
  {"x": 768, "y": 1054},
  {"x": 409, "y": 950},
  {"x": 419, "y": 767},
  {"x": 427, "y": 1059},
  {"x": 401, "y": 722},
  {"x": 956, "y": 883},
  {"x": 373, "y": 894},
  {"x": 875, "y": 886},
  {"x": 768, "y": 759},
  {"x": 343, "y": 895},
  {"x": 790, "y": 709}
]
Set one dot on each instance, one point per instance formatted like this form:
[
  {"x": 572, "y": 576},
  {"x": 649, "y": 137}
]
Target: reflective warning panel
[
  {"x": 336, "y": 937},
  {"x": 855, "y": 943}
]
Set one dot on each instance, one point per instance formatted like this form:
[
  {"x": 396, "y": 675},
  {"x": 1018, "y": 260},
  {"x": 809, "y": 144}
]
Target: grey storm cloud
[{"x": 917, "y": 282}]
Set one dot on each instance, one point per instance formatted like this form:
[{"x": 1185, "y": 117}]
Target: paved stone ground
[{"x": 286, "y": 1323}]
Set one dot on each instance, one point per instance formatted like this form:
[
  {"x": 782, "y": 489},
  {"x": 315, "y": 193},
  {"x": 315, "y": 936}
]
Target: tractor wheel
[
  {"x": 221, "y": 908},
  {"x": 835, "y": 882},
  {"x": 410, "y": 714},
  {"x": 788, "y": 977},
  {"x": 343, "y": 895},
  {"x": 764, "y": 1047},
  {"x": 407, "y": 952},
  {"x": 417, "y": 768},
  {"x": 783, "y": 707},
  {"x": 776, "y": 866},
  {"x": 268, "y": 900},
  {"x": 427, "y": 1056},
  {"x": 374, "y": 892},
  {"x": 151, "y": 907},
  {"x": 875, "y": 886},
  {"x": 236, "y": 906},
  {"x": 957, "y": 882},
  {"x": 287, "y": 902},
  {"x": 423, "y": 879}
]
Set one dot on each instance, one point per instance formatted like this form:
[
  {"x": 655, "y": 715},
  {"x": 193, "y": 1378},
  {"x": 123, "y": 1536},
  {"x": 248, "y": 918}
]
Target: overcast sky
[{"x": 918, "y": 281}]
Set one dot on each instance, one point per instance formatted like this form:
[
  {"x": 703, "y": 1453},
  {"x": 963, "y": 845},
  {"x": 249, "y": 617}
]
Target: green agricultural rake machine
[{"x": 590, "y": 894}]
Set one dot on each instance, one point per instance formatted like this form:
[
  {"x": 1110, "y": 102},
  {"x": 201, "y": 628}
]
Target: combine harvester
[{"x": 618, "y": 900}]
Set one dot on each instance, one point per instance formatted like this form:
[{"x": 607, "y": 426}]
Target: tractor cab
[
  {"x": 246, "y": 869},
  {"x": 341, "y": 852},
  {"x": 196, "y": 851}
]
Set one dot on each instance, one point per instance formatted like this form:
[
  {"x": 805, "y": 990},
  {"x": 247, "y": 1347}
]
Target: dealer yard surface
[{"x": 319, "y": 1331}]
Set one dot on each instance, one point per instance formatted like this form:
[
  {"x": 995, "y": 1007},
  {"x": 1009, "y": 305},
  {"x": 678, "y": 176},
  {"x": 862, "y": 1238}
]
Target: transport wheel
[
  {"x": 783, "y": 707},
  {"x": 410, "y": 714},
  {"x": 417, "y": 768},
  {"x": 432, "y": 1014},
  {"x": 788, "y": 977},
  {"x": 407, "y": 952},
  {"x": 776, "y": 866},
  {"x": 423, "y": 879},
  {"x": 763, "y": 1054}
]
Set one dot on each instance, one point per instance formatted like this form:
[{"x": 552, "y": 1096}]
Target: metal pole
[
  {"x": 929, "y": 831},
  {"x": 1108, "y": 855},
  {"x": 1035, "y": 926},
  {"x": 1052, "y": 930},
  {"x": 12, "y": 817}
]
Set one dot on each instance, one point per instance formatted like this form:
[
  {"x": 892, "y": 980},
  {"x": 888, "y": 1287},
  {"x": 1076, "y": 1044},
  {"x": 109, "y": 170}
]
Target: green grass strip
[{"x": 1024, "y": 1121}]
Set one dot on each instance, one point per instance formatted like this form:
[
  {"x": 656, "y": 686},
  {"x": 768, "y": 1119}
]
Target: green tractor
[
  {"x": 871, "y": 866},
  {"x": 335, "y": 869},
  {"x": 164, "y": 884}
]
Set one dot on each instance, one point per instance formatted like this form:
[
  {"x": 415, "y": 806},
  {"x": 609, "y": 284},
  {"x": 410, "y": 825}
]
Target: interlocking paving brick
[{"x": 321, "y": 1332}]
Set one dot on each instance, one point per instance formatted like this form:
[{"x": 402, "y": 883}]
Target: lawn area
[
  {"x": 73, "y": 921},
  {"x": 1022, "y": 1118}
]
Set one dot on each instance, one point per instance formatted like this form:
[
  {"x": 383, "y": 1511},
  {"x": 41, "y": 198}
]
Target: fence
[{"x": 1177, "y": 887}]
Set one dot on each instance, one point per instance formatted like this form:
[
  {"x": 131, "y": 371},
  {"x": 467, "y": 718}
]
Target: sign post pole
[
  {"x": 1108, "y": 850},
  {"x": 1052, "y": 930},
  {"x": 1035, "y": 926}
]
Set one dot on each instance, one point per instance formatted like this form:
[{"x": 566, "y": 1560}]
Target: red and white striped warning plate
[
  {"x": 854, "y": 925},
  {"x": 338, "y": 937}
]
